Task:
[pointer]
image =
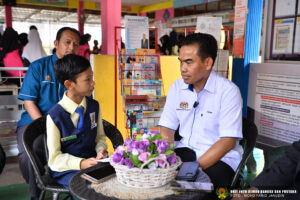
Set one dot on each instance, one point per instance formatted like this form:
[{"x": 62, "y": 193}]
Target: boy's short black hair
[
  {"x": 60, "y": 32},
  {"x": 207, "y": 45},
  {"x": 68, "y": 67}
]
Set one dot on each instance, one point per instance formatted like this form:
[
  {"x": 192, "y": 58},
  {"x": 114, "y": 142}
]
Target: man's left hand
[{"x": 102, "y": 154}]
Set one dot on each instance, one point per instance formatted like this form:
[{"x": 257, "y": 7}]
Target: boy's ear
[{"x": 67, "y": 83}]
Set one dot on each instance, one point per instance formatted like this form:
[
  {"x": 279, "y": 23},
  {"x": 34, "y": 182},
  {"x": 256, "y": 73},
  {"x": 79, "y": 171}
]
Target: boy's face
[{"x": 84, "y": 85}]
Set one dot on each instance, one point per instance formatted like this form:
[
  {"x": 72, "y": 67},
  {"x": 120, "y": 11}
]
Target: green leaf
[
  {"x": 152, "y": 156},
  {"x": 157, "y": 137},
  {"x": 139, "y": 137},
  {"x": 169, "y": 152},
  {"x": 171, "y": 146},
  {"x": 135, "y": 160}
]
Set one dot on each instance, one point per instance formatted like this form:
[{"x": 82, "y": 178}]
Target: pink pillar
[
  {"x": 110, "y": 18},
  {"x": 80, "y": 17},
  {"x": 8, "y": 16}
]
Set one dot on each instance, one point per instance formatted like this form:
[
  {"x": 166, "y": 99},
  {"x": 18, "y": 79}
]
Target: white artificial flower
[
  {"x": 121, "y": 148},
  {"x": 152, "y": 166},
  {"x": 135, "y": 152},
  {"x": 145, "y": 137}
]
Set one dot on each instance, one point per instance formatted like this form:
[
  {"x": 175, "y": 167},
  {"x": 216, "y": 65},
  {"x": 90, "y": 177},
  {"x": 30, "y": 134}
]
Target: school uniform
[
  {"x": 205, "y": 117},
  {"x": 68, "y": 145}
]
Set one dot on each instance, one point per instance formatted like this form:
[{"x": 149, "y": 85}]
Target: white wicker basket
[{"x": 146, "y": 178}]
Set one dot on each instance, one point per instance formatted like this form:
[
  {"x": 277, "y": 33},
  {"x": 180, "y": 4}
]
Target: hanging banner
[
  {"x": 184, "y": 3},
  {"x": 136, "y": 32},
  {"x": 50, "y": 2},
  {"x": 210, "y": 25},
  {"x": 240, "y": 18}
]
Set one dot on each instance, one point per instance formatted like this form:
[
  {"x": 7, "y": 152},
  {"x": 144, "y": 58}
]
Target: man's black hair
[
  {"x": 63, "y": 29},
  {"x": 32, "y": 27},
  {"x": 68, "y": 67},
  {"x": 207, "y": 45}
]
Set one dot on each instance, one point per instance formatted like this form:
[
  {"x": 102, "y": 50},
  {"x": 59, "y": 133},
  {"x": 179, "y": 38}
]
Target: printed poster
[
  {"x": 283, "y": 36},
  {"x": 297, "y": 37},
  {"x": 239, "y": 27},
  {"x": 210, "y": 25},
  {"x": 136, "y": 32},
  {"x": 273, "y": 95}
]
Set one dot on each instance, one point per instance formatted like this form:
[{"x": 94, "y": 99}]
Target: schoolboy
[{"x": 75, "y": 139}]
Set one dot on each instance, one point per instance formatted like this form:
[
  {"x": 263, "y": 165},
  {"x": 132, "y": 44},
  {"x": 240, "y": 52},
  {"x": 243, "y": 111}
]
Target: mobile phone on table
[
  {"x": 101, "y": 174},
  {"x": 188, "y": 171}
]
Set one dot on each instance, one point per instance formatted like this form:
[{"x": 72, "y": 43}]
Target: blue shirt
[
  {"x": 41, "y": 86},
  {"x": 217, "y": 114}
]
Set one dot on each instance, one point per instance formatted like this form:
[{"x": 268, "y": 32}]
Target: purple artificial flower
[
  {"x": 132, "y": 145},
  {"x": 171, "y": 159},
  {"x": 127, "y": 142},
  {"x": 153, "y": 133},
  {"x": 118, "y": 157},
  {"x": 162, "y": 145},
  {"x": 159, "y": 162},
  {"x": 143, "y": 156},
  {"x": 142, "y": 145},
  {"x": 128, "y": 163}
]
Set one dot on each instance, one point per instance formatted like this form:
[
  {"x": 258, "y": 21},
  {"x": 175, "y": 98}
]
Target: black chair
[
  {"x": 44, "y": 181},
  {"x": 113, "y": 134},
  {"x": 248, "y": 143}
]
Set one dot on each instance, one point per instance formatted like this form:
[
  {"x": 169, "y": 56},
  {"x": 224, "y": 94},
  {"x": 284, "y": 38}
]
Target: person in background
[
  {"x": 78, "y": 117},
  {"x": 33, "y": 27},
  {"x": 10, "y": 54},
  {"x": 34, "y": 49},
  {"x": 95, "y": 48},
  {"x": 23, "y": 40},
  {"x": 208, "y": 109},
  {"x": 84, "y": 48},
  {"x": 164, "y": 43},
  {"x": 40, "y": 92},
  {"x": 172, "y": 46}
]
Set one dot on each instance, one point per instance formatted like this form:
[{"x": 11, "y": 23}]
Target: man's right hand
[{"x": 86, "y": 163}]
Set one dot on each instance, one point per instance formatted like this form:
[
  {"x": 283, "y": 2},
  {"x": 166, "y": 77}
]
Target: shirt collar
[
  {"x": 209, "y": 85},
  {"x": 54, "y": 58},
  {"x": 70, "y": 106}
]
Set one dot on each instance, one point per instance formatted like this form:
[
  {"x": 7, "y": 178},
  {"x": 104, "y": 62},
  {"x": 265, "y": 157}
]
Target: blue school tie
[{"x": 81, "y": 118}]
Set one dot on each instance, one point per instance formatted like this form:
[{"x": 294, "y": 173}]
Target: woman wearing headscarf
[
  {"x": 84, "y": 48},
  {"x": 10, "y": 52},
  {"x": 33, "y": 49}
]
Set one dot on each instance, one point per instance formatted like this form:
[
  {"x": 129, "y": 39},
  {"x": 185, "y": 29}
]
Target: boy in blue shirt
[{"x": 75, "y": 134}]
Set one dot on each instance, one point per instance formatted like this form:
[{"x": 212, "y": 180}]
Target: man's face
[
  {"x": 68, "y": 44},
  {"x": 193, "y": 69},
  {"x": 84, "y": 85},
  {"x": 144, "y": 36}
]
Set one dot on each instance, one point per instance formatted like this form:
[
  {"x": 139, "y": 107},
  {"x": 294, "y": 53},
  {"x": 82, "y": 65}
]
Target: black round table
[{"x": 82, "y": 190}]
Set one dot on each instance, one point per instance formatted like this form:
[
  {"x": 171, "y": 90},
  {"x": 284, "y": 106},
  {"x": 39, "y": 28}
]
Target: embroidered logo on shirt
[
  {"x": 48, "y": 78},
  {"x": 93, "y": 120},
  {"x": 184, "y": 105}
]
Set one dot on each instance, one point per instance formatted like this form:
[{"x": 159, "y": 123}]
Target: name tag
[{"x": 72, "y": 137}]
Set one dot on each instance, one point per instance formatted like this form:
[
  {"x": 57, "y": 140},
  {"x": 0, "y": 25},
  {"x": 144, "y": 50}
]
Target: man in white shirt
[{"x": 208, "y": 109}]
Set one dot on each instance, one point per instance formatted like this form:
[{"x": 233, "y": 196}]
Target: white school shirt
[{"x": 218, "y": 114}]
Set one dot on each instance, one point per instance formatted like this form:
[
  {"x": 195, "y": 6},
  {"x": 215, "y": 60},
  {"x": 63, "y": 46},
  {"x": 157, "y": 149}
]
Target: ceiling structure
[{"x": 33, "y": 13}]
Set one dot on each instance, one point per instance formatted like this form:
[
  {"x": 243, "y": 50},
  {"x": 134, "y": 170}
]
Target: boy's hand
[
  {"x": 102, "y": 154},
  {"x": 86, "y": 163}
]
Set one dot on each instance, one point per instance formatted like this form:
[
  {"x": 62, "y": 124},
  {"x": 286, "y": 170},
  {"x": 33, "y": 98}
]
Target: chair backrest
[
  {"x": 113, "y": 134},
  {"x": 248, "y": 143},
  {"x": 34, "y": 130}
]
